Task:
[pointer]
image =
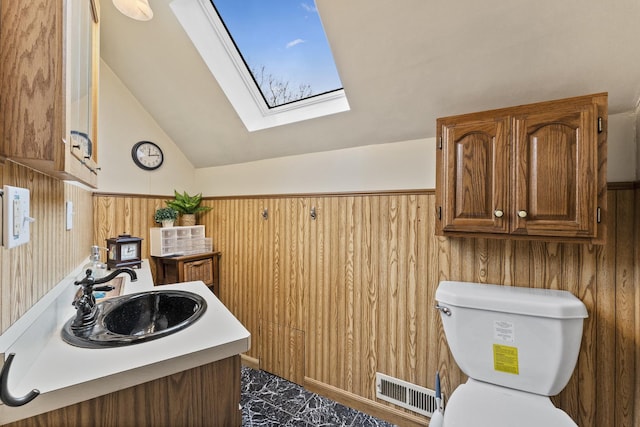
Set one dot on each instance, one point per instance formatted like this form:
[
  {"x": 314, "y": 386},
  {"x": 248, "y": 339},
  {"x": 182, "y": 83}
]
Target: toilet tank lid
[{"x": 511, "y": 299}]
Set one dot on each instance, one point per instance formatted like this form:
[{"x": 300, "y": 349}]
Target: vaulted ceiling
[{"x": 403, "y": 64}]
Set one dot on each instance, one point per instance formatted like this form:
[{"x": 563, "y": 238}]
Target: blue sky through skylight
[{"x": 285, "y": 37}]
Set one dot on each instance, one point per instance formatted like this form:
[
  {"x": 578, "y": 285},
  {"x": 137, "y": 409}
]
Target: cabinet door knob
[
  {"x": 522, "y": 214},
  {"x": 498, "y": 213}
]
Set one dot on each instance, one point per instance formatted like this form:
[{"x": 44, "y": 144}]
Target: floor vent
[{"x": 410, "y": 396}]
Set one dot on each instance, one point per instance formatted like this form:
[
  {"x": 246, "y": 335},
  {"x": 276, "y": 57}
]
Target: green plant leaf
[{"x": 186, "y": 204}]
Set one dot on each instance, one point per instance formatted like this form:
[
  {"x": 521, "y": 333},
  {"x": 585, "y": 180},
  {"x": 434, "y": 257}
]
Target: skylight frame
[{"x": 206, "y": 30}]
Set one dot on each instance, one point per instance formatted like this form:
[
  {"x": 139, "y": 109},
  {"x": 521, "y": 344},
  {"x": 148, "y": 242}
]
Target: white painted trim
[{"x": 206, "y": 31}]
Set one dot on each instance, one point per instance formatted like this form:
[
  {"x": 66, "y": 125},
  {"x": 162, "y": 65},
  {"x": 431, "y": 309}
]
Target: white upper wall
[
  {"x": 395, "y": 166},
  {"x": 638, "y": 142},
  {"x": 622, "y": 148},
  {"x": 122, "y": 122},
  {"x": 403, "y": 165}
]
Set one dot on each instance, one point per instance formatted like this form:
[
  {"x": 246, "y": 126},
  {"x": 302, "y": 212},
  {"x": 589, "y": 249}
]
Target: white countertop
[{"x": 65, "y": 374}]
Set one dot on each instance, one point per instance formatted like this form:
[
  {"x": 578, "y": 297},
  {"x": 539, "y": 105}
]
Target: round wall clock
[{"x": 147, "y": 155}]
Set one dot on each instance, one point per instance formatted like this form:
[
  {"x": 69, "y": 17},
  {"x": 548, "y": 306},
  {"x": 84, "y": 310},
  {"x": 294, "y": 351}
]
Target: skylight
[{"x": 271, "y": 58}]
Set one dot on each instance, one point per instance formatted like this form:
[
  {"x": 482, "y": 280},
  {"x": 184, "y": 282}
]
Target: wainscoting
[
  {"x": 331, "y": 301},
  {"x": 29, "y": 271}
]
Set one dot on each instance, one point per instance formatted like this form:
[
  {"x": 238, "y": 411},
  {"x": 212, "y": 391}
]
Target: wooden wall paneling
[
  {"x": 637, "y": 299},
  {"x": 450, "y": 375},
  {"x": 403, "y": 253},
  {"x": 351, "y": 303},
  {"x": 415, "y": 303},
  {"x": 568, "y": 274},
  {"x": 356, "y": 288},
  {"x": 605, "y": 313},
  {"x": 429, "y": 340},
  {"x": 336, "y": 284},
  {"x": 388, "y": 273},
  {"x": 322, "y": 330},
  {"x": 370, "y": 296},
  {"x": 235, "y": 227},
  {"x": 284, "y": 308},
  {"x": 383, "y": 271},
  {"x": 314, "y": 320},
  {"x": 584, "y": 379},
  {"x": 626, "y": 356},
  {"x": 83, "y": 222},
  {"x": 104, "y": 218},
  {"x": 29, "y": 271}
]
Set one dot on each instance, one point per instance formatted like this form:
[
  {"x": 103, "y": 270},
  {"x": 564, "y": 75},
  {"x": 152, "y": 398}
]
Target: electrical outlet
[{"x": 16, "y": 219}]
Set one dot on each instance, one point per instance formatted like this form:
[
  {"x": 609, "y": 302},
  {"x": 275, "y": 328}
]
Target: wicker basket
[{"x": 188, "y": 219}]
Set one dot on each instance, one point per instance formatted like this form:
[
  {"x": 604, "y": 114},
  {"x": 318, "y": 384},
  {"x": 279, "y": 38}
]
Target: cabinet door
[
  {"x": 555, "y": 173},
  {"x": 473, "y": 170},
  {"x": 82, "y": 62}
]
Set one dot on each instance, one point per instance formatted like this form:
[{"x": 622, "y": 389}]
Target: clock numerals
[{"x": 147, "y": 155}]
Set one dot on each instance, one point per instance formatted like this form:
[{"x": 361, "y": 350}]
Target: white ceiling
[{"x": 403, "y": 64}]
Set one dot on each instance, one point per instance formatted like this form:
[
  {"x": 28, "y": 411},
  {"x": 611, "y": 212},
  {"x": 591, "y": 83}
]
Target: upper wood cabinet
[
  {"x": 49, "y": 61},
  {"x": 535, "y": 171}
]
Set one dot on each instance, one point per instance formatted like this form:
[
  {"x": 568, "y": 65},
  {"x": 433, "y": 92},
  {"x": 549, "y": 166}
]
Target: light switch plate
[
  {"x": 69, "y": 214},
  {"x": 16, "y": 219}
]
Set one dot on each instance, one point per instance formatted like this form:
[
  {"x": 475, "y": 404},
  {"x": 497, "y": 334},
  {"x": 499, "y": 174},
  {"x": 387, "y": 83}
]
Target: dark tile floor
[{"x": 268, "y": 400}]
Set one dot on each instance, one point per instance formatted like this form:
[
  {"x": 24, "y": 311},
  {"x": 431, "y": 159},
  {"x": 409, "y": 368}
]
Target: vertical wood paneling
[
  {"x": 626, "y": 357},
  {"x": 637, "y": 300},
  {"x": 605, "y": 314},
  {"x": 352, "y": 293},
  {"x": 31, "y": 270}
]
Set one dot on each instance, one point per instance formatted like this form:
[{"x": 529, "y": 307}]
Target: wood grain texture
[
  {"x": 208, "y": 395},
  {"x": 497, "y": 172},
  {"x": 358, "y": 283},
  {"x": 34, "y": 78},
  {"x": 31, "y": 270}
]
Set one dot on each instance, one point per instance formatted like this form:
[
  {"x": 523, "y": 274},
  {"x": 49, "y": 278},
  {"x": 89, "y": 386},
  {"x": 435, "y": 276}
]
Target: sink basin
[{"x": 136, "y": 318}]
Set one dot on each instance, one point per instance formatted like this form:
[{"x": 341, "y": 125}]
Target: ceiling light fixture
[{"x": 135, "y": 9}]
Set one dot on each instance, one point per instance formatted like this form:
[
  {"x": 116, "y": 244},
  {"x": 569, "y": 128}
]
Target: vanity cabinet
[
  {"x": 535, "y": 171},
  {"x": 49, "y": 60}
]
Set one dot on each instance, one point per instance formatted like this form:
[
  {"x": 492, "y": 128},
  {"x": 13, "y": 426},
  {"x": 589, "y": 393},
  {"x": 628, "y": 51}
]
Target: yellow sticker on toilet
[{"x": 505, "y": 359}]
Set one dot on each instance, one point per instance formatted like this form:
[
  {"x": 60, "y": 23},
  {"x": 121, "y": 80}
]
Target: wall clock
[
  {"x": 81, "y": 141},
  {"x": 147, "y": 155}
]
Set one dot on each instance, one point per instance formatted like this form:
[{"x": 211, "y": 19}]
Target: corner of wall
[{"x": 637, "y": 129}]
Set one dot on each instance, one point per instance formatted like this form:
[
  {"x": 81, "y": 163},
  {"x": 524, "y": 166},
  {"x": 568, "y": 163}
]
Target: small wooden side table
[{"x": 187, "y": 268}]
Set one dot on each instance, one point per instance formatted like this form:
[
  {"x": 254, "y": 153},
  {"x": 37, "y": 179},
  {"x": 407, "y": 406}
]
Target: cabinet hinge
[
  {"x": 439, "y": 212},
  {"x": 600, "y": 125},
  {"x": 440, "y": 144},
  {"x": 598, "y": 217}
]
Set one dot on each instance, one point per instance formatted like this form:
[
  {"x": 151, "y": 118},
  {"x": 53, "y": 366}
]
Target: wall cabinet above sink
[
  {"x": 535, "y": 171},
  {"x": 49, "y": 60}
]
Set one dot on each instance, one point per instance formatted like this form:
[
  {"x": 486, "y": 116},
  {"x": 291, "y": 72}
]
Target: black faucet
[{"x": 85, "y": 305}]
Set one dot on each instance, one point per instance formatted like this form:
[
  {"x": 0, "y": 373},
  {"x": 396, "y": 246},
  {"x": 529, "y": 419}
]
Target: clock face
[
  {"x": 147, "y": 155},
  {"x": 81, "y": 141},
  {"x": 128, "y": 251}
]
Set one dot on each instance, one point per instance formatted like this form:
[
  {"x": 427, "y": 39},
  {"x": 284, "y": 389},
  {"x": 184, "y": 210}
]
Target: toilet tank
[{"x": 524, "y": 338}]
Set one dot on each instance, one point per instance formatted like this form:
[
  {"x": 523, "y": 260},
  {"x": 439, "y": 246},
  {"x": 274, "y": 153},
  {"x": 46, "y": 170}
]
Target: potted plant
[
  {"x": 166, "y": 216},
  {"x": 188, "y": 206}
]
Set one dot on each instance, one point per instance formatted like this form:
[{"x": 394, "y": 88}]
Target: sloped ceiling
[{"x": 403, "y": 64}]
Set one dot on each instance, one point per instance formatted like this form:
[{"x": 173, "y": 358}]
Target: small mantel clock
[{"x": 124, "y": 251}]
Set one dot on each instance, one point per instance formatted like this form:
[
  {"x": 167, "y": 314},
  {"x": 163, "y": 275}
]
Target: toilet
[{"x": 518, "y": 346}]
